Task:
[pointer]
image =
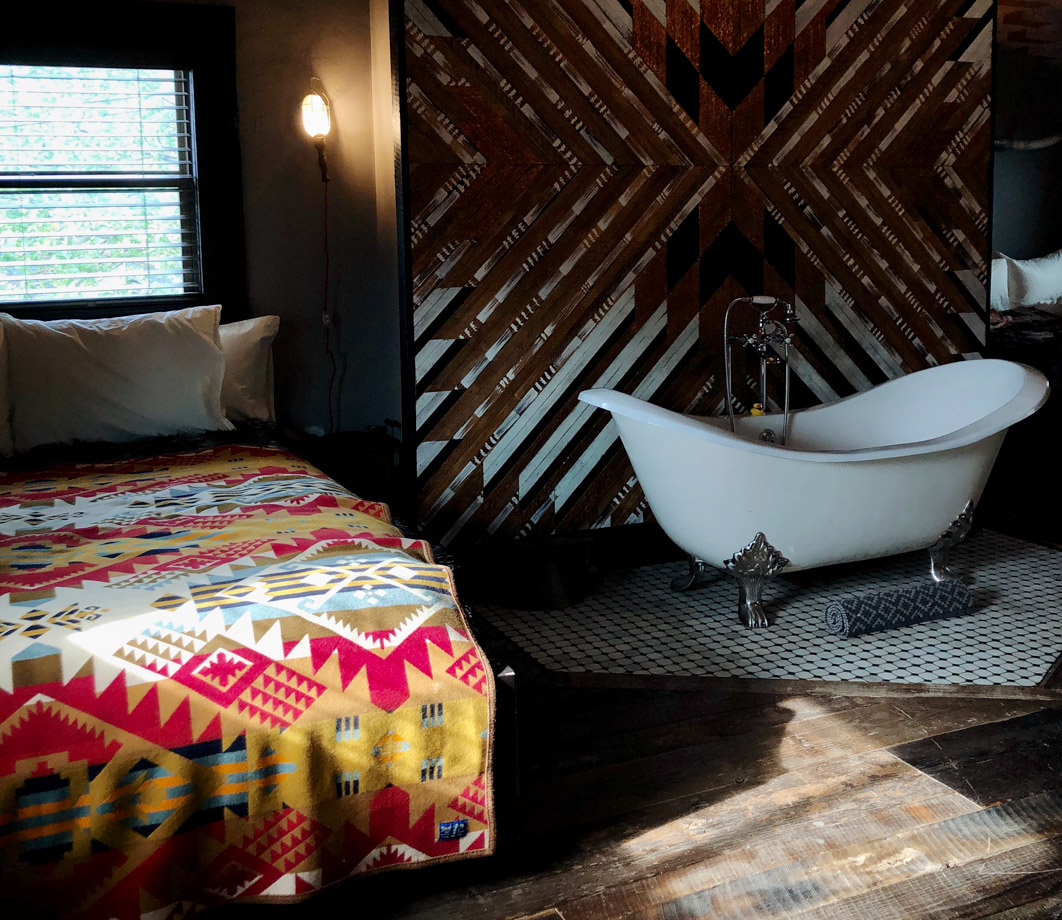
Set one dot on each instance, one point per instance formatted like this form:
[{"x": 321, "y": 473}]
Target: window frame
[{"x": 200, "y": 39}]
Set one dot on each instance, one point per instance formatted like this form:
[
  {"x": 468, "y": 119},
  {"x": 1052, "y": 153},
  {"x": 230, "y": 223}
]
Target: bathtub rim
[{"x": 1031, "y": 395}]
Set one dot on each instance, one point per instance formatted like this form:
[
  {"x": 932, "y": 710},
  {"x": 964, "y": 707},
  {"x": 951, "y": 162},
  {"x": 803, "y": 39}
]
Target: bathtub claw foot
[
  {"x": 692, "y": 579},
  {"x": 752, "y": 566},
  {"x": 940, "y": 551},
  {"x": 751, "y": 612}
]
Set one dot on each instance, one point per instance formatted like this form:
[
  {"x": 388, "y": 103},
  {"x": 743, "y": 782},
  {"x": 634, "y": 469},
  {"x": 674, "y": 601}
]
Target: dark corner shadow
[
  {"x": 598, "y": 767},
  {"x": 601, "y": 766}
]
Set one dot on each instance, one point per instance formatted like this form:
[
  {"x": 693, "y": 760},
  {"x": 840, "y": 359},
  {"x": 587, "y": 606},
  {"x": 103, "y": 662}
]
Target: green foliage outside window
[{"x": 96, "y": 184}]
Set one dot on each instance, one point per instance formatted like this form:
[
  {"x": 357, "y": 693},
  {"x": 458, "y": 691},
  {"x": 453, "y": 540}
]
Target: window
[
  {"x": 120, "y": 185},
  {"x": 97, "y": 184}
]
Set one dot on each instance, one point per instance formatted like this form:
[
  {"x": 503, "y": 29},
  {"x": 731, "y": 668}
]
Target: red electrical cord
[{"x": 328, "y": 322}]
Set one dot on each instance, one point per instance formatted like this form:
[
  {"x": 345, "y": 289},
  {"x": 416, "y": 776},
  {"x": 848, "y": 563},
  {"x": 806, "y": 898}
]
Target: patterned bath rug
[{"x": 635, "y": 624}]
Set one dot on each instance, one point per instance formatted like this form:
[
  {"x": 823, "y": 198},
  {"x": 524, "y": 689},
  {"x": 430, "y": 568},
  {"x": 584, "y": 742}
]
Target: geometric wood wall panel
[{"x": 592, "y": 181}]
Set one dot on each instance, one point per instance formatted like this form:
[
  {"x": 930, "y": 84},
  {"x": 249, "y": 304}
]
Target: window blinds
[{"x": 97, "y": 184}]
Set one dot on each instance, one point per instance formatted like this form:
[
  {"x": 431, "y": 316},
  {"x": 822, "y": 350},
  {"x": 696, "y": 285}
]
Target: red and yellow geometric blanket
[{"x": 222, "y": 676}]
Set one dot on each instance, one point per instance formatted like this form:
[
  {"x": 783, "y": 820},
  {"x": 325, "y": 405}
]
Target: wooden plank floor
[{"x": 675, "y": 805}]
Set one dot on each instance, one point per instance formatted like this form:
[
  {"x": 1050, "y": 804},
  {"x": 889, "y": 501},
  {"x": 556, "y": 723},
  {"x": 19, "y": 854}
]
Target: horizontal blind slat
[
  {"x": 61, "y": 238},
  {"x": 122, "y": 118}
]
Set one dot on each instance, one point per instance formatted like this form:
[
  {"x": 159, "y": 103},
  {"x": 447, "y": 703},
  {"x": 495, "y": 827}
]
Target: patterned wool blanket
[{"x": 222, "y": 676}]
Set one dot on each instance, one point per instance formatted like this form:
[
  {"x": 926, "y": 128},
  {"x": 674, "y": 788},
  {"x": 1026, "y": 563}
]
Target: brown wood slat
[
  {"x": 644, "y": 185},
  {"x": 924, "y": 190},
  {"x": 498, "y": 218},
  {"x": 824, "y": 102},
  {"x": 649, "y": 40},
  {"x": 664, "y": 109},
  {"x": 830, "y": 262},
  {"x": 885, "y": 71},
  {"x": 826, "y": 881},
  {"x": 461, "y": 101},
  {"x": 532, "y": 91},
  {"x": 565, "y": 308},
  {"x": 816, "y": 818},
  {"x": 519, "y": 252},
  {"x": 655, "y": 778},
  {"x": 875, "y": 806},
  {"x": 558, "y": 309},
  {"x": 533, "y": 87},
  {"x": 488, "y": 213},
  {"x": 910, "y": 146},
  {"x": 642, "y": 144},
  {"x": 779, "y": 32},
  {"x": 998, "y": 762},
  {"x": 1024, "y": 883},
  {"x": 900, "y": 282}
]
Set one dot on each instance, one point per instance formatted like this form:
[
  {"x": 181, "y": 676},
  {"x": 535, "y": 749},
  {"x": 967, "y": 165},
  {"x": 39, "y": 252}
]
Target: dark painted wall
[
  {"x": 1027, "y": 194},
  {"x": 280, "y": 44}
]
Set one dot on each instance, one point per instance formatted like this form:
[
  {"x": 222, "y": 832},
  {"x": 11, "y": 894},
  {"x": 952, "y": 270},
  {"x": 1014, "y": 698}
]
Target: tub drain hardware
[{"x": 752, "y": 566}]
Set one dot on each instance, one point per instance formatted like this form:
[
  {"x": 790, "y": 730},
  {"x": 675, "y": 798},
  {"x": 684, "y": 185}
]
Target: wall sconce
[{"x": 317, "y": 122}]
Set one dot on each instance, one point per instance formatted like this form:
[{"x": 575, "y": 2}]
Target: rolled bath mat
[{"x": 871, "y": 613}]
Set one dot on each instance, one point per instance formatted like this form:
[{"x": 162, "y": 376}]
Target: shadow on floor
[{"x": 599, "y": 768}]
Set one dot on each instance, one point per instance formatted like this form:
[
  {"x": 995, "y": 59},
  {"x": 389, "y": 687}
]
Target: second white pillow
[
  {"x": 1035, "y": 282},
  {"x": 1000, "y": 298},
  {"x": 248, "y": 389}
]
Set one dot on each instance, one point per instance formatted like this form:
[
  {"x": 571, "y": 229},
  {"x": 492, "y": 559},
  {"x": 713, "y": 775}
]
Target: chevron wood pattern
[{"x": 592, "y": 181}]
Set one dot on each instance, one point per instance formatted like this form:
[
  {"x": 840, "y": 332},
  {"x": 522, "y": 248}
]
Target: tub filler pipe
[{"x": 771, "y": 334}]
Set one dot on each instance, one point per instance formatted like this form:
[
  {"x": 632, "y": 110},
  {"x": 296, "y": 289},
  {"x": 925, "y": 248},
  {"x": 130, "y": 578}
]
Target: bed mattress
[{"x": 222, "y": 676}]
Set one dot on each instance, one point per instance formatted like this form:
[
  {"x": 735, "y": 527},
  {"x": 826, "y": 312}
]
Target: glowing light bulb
[{"x": 316, "y": 117}]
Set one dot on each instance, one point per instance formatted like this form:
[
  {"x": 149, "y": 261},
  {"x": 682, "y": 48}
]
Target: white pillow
[
  {"x": 1035, "y": 282},
  {"x": 247, "y": 392},
  {"x": 1000, "y": 296},
  {"x": 113, "y": 379}
]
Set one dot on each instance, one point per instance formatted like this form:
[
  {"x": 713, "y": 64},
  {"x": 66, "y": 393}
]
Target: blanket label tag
[{"x": 451, "y": 830}]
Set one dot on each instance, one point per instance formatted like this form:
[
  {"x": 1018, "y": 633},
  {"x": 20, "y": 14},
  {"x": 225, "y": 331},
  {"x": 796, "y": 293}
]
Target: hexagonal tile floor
[{"x": 635, "y": 624}]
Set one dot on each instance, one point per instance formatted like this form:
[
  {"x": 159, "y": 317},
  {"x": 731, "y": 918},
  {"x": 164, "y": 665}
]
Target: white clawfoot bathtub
[{"x": 881, "y": 472}]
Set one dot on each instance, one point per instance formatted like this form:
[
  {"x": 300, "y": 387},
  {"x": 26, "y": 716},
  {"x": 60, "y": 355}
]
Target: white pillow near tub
[
  {"x": 1036, "y": 282},
  {"x": 1000, "y": 294},
  {"x": 114, "y": 379}
]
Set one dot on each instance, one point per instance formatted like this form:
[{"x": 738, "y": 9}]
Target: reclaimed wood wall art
[{"x": 592, "y": 181}]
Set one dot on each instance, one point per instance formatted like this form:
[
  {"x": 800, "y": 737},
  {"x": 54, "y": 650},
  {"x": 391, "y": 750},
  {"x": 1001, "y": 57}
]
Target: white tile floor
[{"x": 635, "y": 624}]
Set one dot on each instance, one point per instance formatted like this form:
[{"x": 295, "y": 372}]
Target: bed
[{"x": 224, "y": 677}]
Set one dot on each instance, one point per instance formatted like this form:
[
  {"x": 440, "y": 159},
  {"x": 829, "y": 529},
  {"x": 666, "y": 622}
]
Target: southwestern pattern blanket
[{"x": 222, "y": 676}]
